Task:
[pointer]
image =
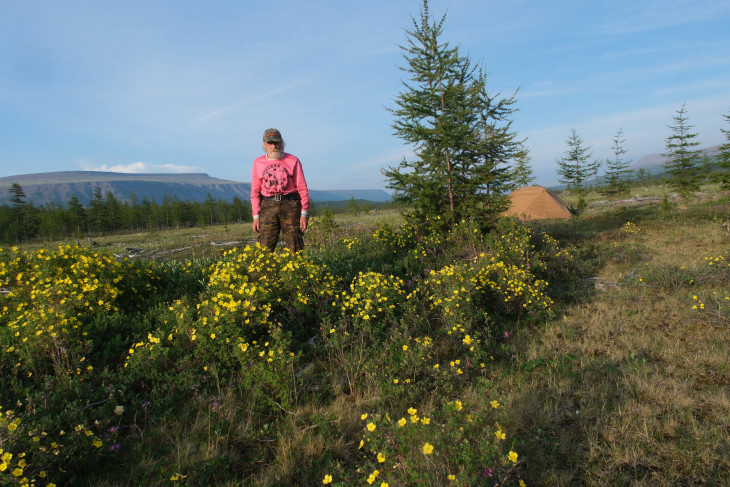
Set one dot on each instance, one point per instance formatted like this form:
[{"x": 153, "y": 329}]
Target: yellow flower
[
  {"x": 381, "y": 458},
  {"x": 412, "y": 411},
  {"x": 405, "y": 347},
  {"x": 327, "y": 479},
  {"x": 500, "y": 434},
  {"x": 371, "y": 426},
  {"x": 402, "y": 422},
  {"x": 364, "y": 416},
  {"x": 458, "y": 405},
  {"x": 512, "y": 456},
  {"x": 451, "y": 476},
  {"x": 17, "y": 472},
  {"x": 522, "y": 483},
  {"x": 427, "y": 448},
  {"x": 373, "y": 476},
  {"x": 97, "y": 443},
  {"x": 495, "y": 404}
]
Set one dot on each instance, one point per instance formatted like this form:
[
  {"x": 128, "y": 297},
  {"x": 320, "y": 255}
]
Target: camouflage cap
[{"x": 272, "y": 135}]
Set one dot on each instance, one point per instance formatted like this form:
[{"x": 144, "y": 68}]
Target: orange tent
[{"x": 536, "y": 203}]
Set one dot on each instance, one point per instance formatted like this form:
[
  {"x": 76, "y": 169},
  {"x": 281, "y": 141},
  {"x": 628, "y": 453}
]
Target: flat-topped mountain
[{"x": 59, "y": 187}]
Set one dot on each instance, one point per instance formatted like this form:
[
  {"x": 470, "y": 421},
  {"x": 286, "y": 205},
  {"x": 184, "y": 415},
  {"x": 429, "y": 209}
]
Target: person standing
[{"x": 279, "y": 195}]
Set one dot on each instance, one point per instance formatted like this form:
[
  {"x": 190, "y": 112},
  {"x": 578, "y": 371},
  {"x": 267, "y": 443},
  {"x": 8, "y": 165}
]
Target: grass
[
  {"x": 630, "y": 385},
  {"x": 212, "y": 241},
  {"x": 627, "y": 382}
]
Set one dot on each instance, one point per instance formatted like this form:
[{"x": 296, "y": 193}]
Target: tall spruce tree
[
  {"x": 97, "y": 211},
  {"x": 17, "y": 198},
  {"x": 488, "y": 167},
  {"x": 76, "y": 216},
  {"x": 618, "y": 173},
  {"x": 683, "y": 159},
  {"x": 461, "y": 136},
  {"x": 575, "y": 168},
  {"x": 724, "y": 157},
  {"x": 521, "y": 172}
]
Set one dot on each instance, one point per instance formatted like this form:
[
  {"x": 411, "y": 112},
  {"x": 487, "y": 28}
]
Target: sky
[{"x": 190, "y": 86}]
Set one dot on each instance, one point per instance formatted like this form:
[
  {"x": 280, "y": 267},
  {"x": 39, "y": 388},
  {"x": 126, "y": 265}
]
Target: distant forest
[{"x": 21, "y": 221}]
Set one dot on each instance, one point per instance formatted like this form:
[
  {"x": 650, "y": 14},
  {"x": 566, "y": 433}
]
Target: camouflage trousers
[{"x": 281, "y": 217}]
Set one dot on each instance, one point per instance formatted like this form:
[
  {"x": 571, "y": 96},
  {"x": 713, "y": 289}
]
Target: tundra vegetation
[
  {"x": 590, "y": 351},
  {"x": 442, "y": 346}
]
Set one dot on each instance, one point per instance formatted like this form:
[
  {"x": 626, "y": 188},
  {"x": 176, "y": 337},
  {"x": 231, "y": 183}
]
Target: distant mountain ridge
[
  {"x": 652, "y": 162},
  {"x": 59, "y": 187}
]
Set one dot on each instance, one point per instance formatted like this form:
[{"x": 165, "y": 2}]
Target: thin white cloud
[
  {"x": 278, "y": 90},
  {"x": 144, "y": 168}
]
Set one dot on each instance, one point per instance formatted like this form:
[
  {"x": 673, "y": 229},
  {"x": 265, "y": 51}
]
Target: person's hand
[
  {"x": 303, "y": 223},
  {"x": 256, "y": 225}
]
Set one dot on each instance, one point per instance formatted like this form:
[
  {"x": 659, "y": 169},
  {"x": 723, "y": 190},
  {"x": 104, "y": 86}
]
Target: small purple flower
[
  {"x": 113, "y": 429},
  {"x": 115, "y": 447},
  {"x": 146, "y": 404},
  {"x": 506, "y": 334},
  {"x": 488, "y": 472}
]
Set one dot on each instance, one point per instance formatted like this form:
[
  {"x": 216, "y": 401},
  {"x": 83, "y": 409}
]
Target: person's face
[{"x": 274, "y": 150}]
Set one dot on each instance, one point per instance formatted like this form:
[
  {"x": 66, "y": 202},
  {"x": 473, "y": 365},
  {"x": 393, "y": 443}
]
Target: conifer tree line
[
  {"x": 685, "y": 166},
  {"x": 467, "y": 157},
  {"x": 20, "y": 220}
]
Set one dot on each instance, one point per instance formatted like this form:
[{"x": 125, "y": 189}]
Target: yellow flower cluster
[
  {"x": 54, "y": 296},
  {"x": 629, "y": 228},
  {"x": 371, "y": 295},
  {"x": 392, "y": 239},
  {"x": 513, "y": 286},
  {"x": 254, "y": 275},
  {"x": 16, "y": 465},
  {"x": 349, "y": 243},
  {"x": 409, "y": 450},
  {"x": 717, "y": 260}
]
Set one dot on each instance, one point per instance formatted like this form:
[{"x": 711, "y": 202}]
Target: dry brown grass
[{"x": 631, "y": 386}]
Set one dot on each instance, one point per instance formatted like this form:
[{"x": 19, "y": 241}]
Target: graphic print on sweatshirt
[{"x": 274, "y": 179}]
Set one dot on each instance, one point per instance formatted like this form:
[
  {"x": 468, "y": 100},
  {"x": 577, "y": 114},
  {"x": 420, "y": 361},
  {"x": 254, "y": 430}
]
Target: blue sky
[{"x": 190, "y": 86}]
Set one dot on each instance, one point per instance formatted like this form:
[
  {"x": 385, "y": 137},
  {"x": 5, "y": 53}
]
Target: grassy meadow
[{"x": 593, "y": 351}]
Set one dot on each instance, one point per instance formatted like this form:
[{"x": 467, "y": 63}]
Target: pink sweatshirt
[{"x": 282, "y": 176}]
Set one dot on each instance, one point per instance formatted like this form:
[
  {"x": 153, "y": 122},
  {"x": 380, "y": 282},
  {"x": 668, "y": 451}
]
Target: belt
[{"x": 280, "y": 197}]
